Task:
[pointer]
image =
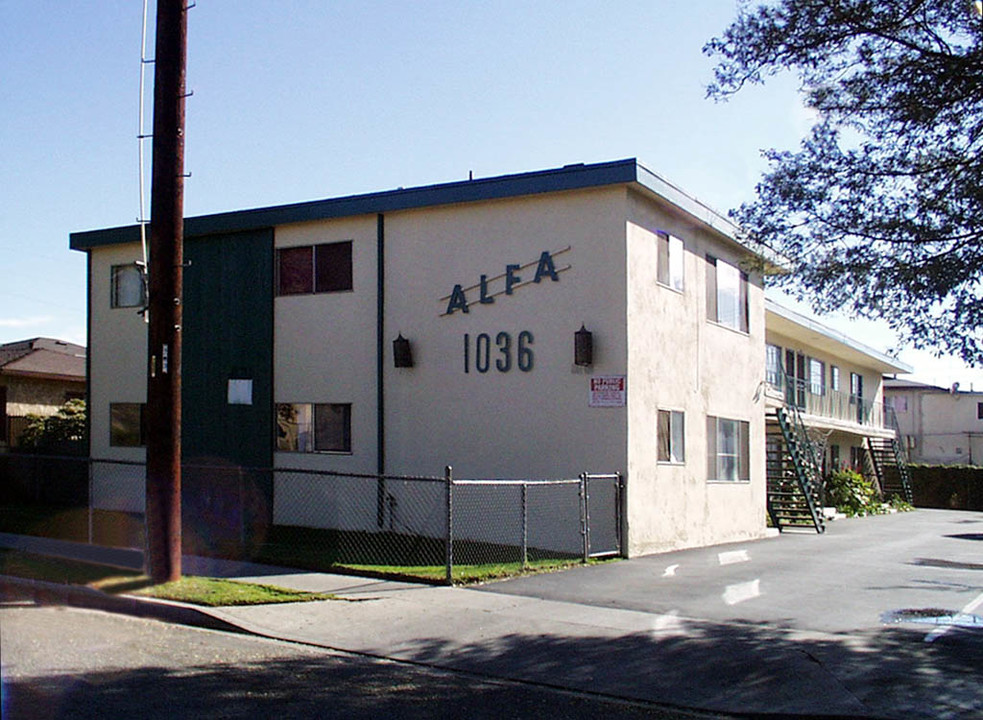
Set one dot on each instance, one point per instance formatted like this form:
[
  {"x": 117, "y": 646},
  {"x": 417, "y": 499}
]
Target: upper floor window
[
  {"x": 834, "y": 378},
  {"x": 127, "y": 286},
  {"x": 671, "y": 436},
  {"x": 314, "y": 268},
  {"x": 817, "y": 377},
  {"x": 773, "y": 365},
  {"x": 727, "y": 296},
  {"x": 670, "y": 262}
]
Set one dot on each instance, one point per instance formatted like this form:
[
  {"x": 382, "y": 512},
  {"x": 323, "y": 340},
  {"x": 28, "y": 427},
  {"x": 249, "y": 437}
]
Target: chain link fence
[{"x": 440, "y": 527}]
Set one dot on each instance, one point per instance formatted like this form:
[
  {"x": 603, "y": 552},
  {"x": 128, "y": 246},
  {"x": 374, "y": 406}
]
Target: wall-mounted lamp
[
  {"x": 402, "y": 352},
  {"x": 583, "y": 347}
]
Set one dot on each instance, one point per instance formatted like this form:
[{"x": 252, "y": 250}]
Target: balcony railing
[{"x": 824, "y": 402}]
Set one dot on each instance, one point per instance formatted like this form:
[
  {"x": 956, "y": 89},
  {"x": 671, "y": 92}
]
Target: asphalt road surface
[{"x": 70, "y": 663}]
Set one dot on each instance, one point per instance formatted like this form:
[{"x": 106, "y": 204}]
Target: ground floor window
[
  {"x": 671, "y": 437},
  {"x": 127, "y": 424},
  {"x": 728, "y": 449},
  {"x": 314, "y": 427}
]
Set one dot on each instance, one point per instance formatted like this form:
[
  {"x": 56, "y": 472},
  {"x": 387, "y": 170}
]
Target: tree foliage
[
  {"x": 880, "y": 211},
  {"x": 58, "y": 432}
]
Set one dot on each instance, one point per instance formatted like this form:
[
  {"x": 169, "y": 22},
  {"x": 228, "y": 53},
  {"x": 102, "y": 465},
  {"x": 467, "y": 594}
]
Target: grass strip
[{"x": 208, "y": 592}]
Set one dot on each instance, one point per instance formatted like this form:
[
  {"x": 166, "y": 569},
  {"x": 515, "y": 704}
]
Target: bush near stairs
[{"x": 950, "y": 487}]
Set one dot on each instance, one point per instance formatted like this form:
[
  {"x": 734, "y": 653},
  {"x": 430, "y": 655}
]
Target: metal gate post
[
  {"x": 449, "y": 549},
  {"x": 584, "y": 516},
  {"x": 525, "y": 524}
]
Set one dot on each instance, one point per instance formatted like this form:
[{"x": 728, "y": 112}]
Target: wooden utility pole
[{"x": 166, "y": 286}]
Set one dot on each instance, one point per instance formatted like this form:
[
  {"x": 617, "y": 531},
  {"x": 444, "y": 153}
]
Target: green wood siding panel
[{"x": 228, "y": 333}]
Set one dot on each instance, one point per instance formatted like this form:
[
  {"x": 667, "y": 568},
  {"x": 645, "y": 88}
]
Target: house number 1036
[{"x": 501, "y": 352}]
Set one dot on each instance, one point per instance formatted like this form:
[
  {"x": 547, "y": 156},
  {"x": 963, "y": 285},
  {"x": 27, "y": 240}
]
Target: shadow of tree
[
  {"x": 335, "y": 686},
  {"x": 746, "y": 668}
]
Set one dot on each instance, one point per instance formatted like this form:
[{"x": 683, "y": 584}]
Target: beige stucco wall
[
  {"x": 945, "y": 426},
  {"x": 33, "y": 396},
  {"x": 506, "y": 424},
  {"x": 325, "y": 344},
  {"x": 117, "y": 373},
  {"x": 678, "y": 360}
]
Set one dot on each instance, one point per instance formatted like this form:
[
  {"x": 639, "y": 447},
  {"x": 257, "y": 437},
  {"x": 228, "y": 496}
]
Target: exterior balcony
[{"x": 826, "y": 409}]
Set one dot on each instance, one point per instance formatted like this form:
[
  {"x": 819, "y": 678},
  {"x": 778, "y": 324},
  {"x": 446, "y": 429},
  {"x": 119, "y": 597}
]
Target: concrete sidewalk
[{"x": 662, "y": 657}]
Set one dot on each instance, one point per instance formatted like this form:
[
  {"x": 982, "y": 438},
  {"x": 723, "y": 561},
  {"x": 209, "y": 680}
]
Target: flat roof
[
  {"x": 568, "y": 177},
  {"x": 821, "y": 333}
]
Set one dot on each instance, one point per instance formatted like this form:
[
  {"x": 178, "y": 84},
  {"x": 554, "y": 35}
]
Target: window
[
  {"x": 773, "y": 365},
  {"x": 127, "y": 424},
  {"x": 979, "y": 410},
  {"x": 834, "y": 378},
  {"x": 834, "y": 458},
  {"x": 671, "y": 437},
  {"x": 856, "y": 386},
  {"x": 727, "y": 301},
  {"x": 127, "y": 286},
  {"x": 899, "y": 403},
  {"x": 728, "y": 450},
  {"x": 817, "y": 377},
  {"x": 670, "y": 262},
  {"x": 314, "y": 427},
  {"x": 314, "y": 269}
]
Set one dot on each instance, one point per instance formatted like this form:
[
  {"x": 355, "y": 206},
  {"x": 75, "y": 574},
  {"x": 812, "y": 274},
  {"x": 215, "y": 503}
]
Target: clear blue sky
[{"x": 299, "y": 100}]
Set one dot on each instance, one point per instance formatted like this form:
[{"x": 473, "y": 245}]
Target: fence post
[
  {"x": 584, "y": 517},
  {"x": 525, "y": 524},
  {"x": 449, "y": 550},
  {"x": 88, "y": 463}
]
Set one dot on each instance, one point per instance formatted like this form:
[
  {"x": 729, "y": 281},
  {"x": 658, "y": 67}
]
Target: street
[{"x": 70, "y": 663}]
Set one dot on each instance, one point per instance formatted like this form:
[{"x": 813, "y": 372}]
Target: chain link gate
[{"x": 602, "y": 495}]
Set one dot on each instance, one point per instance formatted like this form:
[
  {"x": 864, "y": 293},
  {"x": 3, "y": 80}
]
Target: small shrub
[
  {"x": 54, "y": 433},
  {"x": 852, "y": 495}
]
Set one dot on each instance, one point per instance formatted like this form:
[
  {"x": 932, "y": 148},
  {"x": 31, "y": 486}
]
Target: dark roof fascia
[{"x": 569, "y": 177}]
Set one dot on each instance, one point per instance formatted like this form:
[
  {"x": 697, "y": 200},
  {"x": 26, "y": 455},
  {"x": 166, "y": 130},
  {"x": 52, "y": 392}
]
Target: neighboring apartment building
[
  {"x": 831, "y": 385},
  {"x": 37, "y": 377},
  {"x": 588, "y": 318},
  {"x": 939, "y": 425}
]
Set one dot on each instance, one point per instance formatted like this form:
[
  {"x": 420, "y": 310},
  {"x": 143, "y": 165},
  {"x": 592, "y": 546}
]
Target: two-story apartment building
[
  {"x": 588, "y": 318},
  {"x": 830, "y": 386}
]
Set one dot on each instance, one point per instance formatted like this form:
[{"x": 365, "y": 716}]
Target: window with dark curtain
[
  {"x": 333, "y": 267},
  {"x": 295, "y": 270}
]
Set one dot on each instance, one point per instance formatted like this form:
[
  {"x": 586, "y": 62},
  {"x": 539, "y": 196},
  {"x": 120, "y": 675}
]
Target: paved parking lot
[{"x": 846, "y": 581}]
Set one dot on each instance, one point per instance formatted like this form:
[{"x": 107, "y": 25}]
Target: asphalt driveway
[{"x": 854, "y": 578}]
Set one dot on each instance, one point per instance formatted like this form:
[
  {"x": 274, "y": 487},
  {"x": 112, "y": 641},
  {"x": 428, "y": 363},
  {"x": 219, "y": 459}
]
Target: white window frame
[
  {"x": 817, "y": 377},
  {"x": 127, "y": 286},
  {"x": 728, "y": 450},
  {"x": 671, "y": 437},
  {"x": 670, "y": 271},
  {"x": 727, "y": 295}
]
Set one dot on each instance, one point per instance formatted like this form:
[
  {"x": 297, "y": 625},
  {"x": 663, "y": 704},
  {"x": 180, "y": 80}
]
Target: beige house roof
[{"x": 43, "y": 358}]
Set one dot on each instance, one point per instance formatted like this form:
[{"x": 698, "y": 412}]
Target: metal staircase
[
  {"x": 890, "y": 466},
  {"x": 794, "y": 473}
]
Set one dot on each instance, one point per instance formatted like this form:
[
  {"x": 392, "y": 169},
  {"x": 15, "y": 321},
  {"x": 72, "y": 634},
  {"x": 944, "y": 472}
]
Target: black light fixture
[
  {"x": 583, "y": 347},
  {"x": 402, "y": 352}
]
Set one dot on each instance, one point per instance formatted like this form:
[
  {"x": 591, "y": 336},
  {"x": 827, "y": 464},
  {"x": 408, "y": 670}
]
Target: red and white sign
[{"x": 608, "y": 391}]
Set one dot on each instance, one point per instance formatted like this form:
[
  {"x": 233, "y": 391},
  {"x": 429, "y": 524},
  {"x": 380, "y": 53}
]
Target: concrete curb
[{"x": 48, "y": 593}]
